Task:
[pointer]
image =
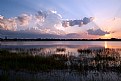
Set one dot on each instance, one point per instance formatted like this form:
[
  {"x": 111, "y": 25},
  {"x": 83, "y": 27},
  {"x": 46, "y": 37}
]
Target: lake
[
  {"x": 105, "y": 44},
  {"x": 80, "y": 60},
  {"x": 52, "y": 46}
]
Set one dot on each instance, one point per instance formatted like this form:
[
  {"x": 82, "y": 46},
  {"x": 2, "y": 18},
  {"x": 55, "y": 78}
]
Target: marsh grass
[
  {"x": 33, "y": 64},
  {"x": 26, "y": 62}
]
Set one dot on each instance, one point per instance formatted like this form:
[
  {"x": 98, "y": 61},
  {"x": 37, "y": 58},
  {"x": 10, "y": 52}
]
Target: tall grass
[
  {"x": 28, "y": 62},
  {"x": 90, "y": 63},
  {"x": 101, "y": 59}
]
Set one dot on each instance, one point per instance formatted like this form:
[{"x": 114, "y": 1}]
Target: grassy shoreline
[{"x": 24, "y": 61}]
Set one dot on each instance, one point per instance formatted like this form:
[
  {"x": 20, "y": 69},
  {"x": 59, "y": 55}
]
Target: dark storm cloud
[
  {"x": 29, "y": 34},
  {"x": 25, "y": 34},
  {"x": 87, "y": 20},
  {"x": 84, "y": 21},
  {"x": 97, "y": 32}
]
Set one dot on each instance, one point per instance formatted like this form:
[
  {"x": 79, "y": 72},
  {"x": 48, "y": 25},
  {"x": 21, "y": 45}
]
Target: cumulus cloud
[
  {"x": 41, "y": 14},
  {"x": 42, "y": 22},
  {"x": 84, "y": 21},
  {"x": 23, "y": 20},
  {"x": 97, "y": 32},
  {"x": 8, "y": 24},
  {"x": 52, "y": 19}
]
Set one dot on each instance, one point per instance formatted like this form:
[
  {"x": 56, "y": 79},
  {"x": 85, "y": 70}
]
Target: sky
[{"x": 60, "y": 18}]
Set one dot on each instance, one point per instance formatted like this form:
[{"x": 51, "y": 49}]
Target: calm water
[
  {"x": 51, "y": 47},
  {"x": 84, "y": 44},
  {"x": 100, "y": 60}
]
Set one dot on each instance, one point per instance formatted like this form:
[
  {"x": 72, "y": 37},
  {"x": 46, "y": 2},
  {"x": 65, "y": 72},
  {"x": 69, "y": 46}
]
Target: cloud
[
  {"x": 52, "y": 19},
  {"x": 47, "y": 21},
  {"x": 43, "y": 22},
  {"x": 8, "y": 24},
  {"x": 23, "y": 20},
  {"x": 30, "y": 34},
  {"x": 84, "y": 21},
  {"x": 97, "y": 32},
  {"x": 87, "y": 20},
  {"x": 42, "y": 14}
]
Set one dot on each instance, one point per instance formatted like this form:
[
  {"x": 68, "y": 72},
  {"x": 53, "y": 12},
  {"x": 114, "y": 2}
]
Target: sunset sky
[{"x": 60, "y": 18}]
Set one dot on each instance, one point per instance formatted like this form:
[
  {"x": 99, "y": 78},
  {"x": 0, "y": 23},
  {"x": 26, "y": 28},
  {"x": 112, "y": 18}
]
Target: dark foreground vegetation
[
  {"x": 26, "y": 62},
  {"x": 89, "y": 65},
  {"x": 101, "y": 60}
]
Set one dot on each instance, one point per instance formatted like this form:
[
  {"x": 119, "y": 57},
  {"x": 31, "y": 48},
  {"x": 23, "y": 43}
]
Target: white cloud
[
  {"x": 23, "y": 20},
  {"x": 8, "y": 24},
  {"x": 44, "y": 22}
]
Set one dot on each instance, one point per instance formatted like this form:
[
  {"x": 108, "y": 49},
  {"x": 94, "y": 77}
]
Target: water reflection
[
  {"x": 84, "y": 62},
  {"x": 85, "y": 44},
  {"x": 89, "y": 57},
  {"x": 106, "y": 44}
]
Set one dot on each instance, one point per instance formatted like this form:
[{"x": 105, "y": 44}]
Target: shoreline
[{"x": 113, "y": 39}]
